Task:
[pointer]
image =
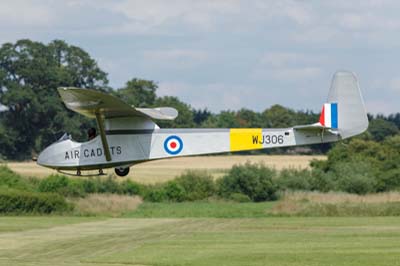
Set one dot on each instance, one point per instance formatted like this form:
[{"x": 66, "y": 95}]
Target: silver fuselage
[{"x": 128, "y": 147}]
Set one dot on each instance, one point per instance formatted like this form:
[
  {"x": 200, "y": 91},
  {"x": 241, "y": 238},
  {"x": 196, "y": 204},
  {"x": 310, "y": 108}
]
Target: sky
[{"x": 222, "y": 55}]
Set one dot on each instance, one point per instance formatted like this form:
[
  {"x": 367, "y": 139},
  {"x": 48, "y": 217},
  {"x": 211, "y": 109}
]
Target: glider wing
[{"x": 90, "y": 102}]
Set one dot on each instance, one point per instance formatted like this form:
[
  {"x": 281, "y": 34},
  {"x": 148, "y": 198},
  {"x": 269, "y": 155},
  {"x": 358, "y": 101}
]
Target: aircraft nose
[
  {"x": 46, "y": 157},
  {"x": 41, "y": 159},
  {"x": 53, "y": 155}
]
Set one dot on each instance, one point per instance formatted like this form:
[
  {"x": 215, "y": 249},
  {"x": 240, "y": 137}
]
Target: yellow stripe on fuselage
[{"x": 242, "y": 139}]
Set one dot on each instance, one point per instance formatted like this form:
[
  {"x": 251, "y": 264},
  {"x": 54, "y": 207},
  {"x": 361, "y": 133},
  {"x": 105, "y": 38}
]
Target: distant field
[
  {"x": 43, "y": 241},
  {"x": 162, "y": 170}
]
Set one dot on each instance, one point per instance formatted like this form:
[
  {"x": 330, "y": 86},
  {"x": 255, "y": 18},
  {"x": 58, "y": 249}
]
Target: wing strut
[{"x": 103, "y": 136}]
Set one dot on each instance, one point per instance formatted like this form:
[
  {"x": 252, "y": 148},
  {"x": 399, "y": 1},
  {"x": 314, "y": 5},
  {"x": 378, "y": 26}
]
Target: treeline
[{"x": 30, "y": 73}]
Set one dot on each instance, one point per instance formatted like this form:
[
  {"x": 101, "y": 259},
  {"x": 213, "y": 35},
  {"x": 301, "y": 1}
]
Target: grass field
[
  {"x": 219, "y": 209},
  {"x": 162, "y": 170},
  {"x": 199, "y": 241},
  {"x": 206, "y": 233}
]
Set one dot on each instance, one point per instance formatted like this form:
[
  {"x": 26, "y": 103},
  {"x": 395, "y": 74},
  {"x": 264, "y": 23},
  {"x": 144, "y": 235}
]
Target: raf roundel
[{"x": 173, "y": 145}]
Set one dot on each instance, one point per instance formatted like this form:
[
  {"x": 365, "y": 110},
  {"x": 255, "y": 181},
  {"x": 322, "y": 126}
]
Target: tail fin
[{"x": 345, "y": 110}]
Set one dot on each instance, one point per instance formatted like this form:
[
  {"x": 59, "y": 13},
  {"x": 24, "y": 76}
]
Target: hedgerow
[{"x": 19, "y": 202}]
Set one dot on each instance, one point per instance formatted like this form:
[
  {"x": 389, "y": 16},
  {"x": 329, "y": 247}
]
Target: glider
[{"x": 129, "y": 135}]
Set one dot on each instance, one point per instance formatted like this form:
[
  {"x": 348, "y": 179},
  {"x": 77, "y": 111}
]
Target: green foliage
[
  {"x": 254, "y": 180},
  {"x": 388, "y": 180},
  {"x": 361, "y": 166},
  {"x": 229, "y": 119},
  {"x": 138, "y": 92},
  {"x": 225, "y": 119},
  {"x": 278, "y": 116},
  {"x": 294, "y": 179},
  {"x": 30, "y": 73},
  {"x": 322, "y": 181},
  {"x": 248, "y": 118},
  {"x": 354, "y": 177},
  {"x": 9, "y": 179},
  {"x": 380, "y": 129},
  {"x": 239, "y": 197},
  {"x": 174, "y": 191},
  {"x": 75, "y": 189},
  {"x": 53, "y": 183},
  {"x": 190, "y": 186},
  {"x": 198, "y": 185},
  {"x": 71, "y": 187},
  {"x": 108, "y": 185},
  {"x": 199, "y": 116},
  {"x": 155, "y": 193},
  {"x": 131, "y": 188},
  {"x": 62, "y": 185},
  {"x": 19, "y": 202}
]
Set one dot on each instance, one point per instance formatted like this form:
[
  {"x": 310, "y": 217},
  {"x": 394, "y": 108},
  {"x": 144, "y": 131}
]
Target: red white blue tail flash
[{"x": 329, "y": 115}]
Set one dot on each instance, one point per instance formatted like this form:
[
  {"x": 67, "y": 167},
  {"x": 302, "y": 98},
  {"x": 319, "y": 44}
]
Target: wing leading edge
[{"x": 91, "y": 102}]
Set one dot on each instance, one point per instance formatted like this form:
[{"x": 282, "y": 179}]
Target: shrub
[
  {"x": 155, "y": 193},
  {"x": 108, "y": 185},
  {"x": 354, "y": 177},
  {"x": 75, "y": 188},
  {"x": 14, "y": 201},
  {"x": 294, "y": 179},
  {"x": 89, "y": 185},
  {"x": 239, "y": 197},
  {"x": 9, "y": 179},
  {"x": 174, "y": 191},
  {"x": 322, "y": 181},
  {"x": 190, "y": 186},
  {"x": 198, "y": 185},
  {"x": 131, "y": 188},
  {"x": 62, "y": 185},
  {"x": 53, "y": 183},
  {"x": 254, "y": 180},
  {"x": 388, "y": 180}
]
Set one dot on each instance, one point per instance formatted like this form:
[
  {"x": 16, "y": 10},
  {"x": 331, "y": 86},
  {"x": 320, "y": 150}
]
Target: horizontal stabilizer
[
  {"x": 315, "y": 128},
  {"x": 89, "y": 102},
  {"x": 164, "y": 113}
]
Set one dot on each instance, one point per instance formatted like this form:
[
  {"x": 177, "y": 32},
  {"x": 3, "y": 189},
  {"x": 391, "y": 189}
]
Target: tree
[
  {"x": 395, "y": 118},
  {"x": 306, "y": 117},
  {"x": 248, "y": 118},
  {"x": 30, "y": 73},
  {"x": 225, "y": 119},
  {"x": 278, "y": 116},
  {"x": 138, "y": 92},
  {"x": 199, "y": 116},
  {"x": 380, "y": 129}
]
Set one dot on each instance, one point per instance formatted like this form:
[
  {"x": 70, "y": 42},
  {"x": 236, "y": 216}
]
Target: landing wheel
[{"x": 122, "y": 171}]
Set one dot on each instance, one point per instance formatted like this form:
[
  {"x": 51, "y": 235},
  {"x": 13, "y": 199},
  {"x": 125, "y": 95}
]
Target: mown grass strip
[{"x": 202, "y": 209}]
